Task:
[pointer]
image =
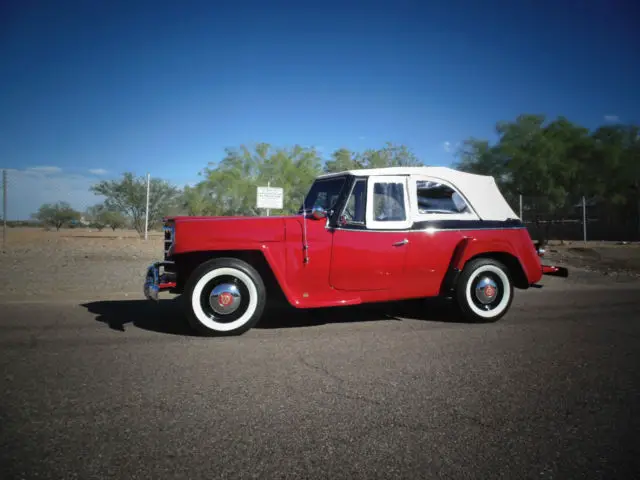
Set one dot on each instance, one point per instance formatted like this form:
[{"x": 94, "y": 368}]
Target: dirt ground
[
  {"x": 81, "y": 263},
  {"x": 609, "y": 259},
  {"x": 85, "y": 264}
]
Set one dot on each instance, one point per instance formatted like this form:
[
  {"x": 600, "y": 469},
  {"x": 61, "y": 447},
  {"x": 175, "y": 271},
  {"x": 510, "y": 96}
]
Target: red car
[{"x": 361, "y": 236}]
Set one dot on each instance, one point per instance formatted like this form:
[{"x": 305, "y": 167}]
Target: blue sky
[{"x": 90, "y": 89}]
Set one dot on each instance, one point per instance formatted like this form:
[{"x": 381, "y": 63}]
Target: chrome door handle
[{"x": 401, "y": 243}]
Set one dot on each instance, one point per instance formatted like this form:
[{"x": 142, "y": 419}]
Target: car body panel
[
  {"x": 363, "y": 261},
  {"x": 226, "y": 233}
]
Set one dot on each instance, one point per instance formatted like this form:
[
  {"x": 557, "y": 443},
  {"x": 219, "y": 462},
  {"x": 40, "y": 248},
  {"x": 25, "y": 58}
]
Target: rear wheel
[
  {"x": 224, "y": 296},
  {"x": 484, "y": 291}
]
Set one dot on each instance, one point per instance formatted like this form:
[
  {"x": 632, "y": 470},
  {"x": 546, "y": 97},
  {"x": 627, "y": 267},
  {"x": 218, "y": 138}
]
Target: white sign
[{"x": 270, "y": 198}]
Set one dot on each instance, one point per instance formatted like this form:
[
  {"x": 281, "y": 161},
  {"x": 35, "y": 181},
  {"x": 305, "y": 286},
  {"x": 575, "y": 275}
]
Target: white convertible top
[{"x": 481, "y": 191}]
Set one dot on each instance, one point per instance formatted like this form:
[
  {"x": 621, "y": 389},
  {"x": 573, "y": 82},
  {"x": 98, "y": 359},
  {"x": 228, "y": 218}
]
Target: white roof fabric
[{"x": 481, "y": 191}]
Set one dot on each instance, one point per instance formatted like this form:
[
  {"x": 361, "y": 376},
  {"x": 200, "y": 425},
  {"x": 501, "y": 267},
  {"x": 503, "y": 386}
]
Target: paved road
[{"x": 122, "y": 390}]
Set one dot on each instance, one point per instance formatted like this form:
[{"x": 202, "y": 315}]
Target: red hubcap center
[
  {"x": 489, "y": 291},
  {"x": 225, "y": 299}
]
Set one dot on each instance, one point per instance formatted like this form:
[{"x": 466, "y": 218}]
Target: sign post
[{"x": 270, "y": 198}]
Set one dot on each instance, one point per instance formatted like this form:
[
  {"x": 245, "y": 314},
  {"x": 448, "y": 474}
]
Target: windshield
[{"x": 324, "y": 193}]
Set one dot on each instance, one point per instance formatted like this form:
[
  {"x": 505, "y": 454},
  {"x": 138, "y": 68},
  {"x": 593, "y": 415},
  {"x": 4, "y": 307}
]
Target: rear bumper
[
  {"x": 157, "y": 280},
  {"x": 554, "y": 271}
]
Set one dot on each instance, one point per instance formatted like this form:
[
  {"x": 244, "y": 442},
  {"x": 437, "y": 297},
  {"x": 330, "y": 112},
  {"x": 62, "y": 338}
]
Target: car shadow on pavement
[
  {"x": 163, "y": 317},
  {"x": 289, "y": 317},
  {"x": 167, "y": 316}
]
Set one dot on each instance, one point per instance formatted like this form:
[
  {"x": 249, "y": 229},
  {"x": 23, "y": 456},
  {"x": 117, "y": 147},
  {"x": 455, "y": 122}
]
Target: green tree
[
  {"x": 553, "y": 164},
  {"x": 94, "y": 216},
  {"x": 388, "y": 156},
  {"x": 616, "y": 165},
  {"x": 56, "y": 214},
  {"x": 196, "y": 201},
  {"x": 232, "y": 183},
  {"x": 113, "y": 219},
  {"x": 230, "y": 186},
  {"x": 128, "y": 196},
  {"x": 101, "y": 216},
  {"x": 341, "y": 160}
]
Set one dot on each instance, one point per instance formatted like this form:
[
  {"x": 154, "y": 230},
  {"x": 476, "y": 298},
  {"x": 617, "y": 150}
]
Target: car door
[
  {"x": 440, "y": 215},
  {"x": 370, "y": 242}
]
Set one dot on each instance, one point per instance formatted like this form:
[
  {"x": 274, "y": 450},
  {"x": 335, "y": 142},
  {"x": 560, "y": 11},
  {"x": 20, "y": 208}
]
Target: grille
[{"x": 169, "y": 232}]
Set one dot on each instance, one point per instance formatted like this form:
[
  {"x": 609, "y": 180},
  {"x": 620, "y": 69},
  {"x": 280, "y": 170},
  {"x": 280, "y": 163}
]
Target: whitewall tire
[
  {"x": 224, "y": 296},
  {"x": 484, "y": 291}
]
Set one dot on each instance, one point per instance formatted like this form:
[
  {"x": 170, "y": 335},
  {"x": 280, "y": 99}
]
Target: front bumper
[{"x": 156, "y": 281}]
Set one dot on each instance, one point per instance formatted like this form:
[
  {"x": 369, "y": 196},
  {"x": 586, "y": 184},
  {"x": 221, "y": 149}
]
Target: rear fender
[
  {"x": 470, "y": 248},
  {"x": 453, "y": 271}
]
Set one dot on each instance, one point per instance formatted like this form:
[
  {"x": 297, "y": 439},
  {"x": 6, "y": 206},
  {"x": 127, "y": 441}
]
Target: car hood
[{"x": 198, "y": 233}]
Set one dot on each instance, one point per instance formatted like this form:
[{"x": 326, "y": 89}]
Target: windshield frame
[{"x": 338, "y": 193}]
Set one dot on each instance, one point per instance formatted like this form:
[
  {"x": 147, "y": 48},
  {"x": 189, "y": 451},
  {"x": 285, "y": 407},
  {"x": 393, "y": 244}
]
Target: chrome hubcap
[
  {"x": 225, "y": 298},
  {"x": 486, "y": 290}
]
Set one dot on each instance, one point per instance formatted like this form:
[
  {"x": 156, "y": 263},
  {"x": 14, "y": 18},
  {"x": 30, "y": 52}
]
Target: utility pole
[
  {"x": 521, "y": 207},
  {"x": 4, "y": 208},
  {"x": 146, "y": 213},
  {"x": 584, "y": 219}
]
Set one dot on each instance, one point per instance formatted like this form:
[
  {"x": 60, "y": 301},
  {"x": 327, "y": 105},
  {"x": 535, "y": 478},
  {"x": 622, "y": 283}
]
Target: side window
[
  {"x": 355, "y": 209},
  {"x": 388, "y": 202},
  {"x": 434, "y": 197}
]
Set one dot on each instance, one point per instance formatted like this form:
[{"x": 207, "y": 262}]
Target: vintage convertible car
[{"x": 370, "y": 235}]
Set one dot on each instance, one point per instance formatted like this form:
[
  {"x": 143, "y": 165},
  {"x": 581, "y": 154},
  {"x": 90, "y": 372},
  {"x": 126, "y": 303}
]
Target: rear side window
[{"x": 435, "y": 197}]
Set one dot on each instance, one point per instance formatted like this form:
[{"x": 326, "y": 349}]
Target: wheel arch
[
  {"x": 186, "y": 263},
  {"x": 467, "y": 250},
  {"x": 515, "y": 270}
]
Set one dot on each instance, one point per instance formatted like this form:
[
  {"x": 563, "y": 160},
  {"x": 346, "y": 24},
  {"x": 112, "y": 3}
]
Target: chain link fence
[{"x": 577, "y": 219}]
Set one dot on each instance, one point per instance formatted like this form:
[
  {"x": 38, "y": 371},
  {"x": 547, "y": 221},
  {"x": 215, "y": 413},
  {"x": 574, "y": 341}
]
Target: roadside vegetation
[{"x": 552, "y": 164}]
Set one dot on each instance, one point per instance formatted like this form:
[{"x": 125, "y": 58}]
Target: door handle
[{"x": 401, "y": 243}]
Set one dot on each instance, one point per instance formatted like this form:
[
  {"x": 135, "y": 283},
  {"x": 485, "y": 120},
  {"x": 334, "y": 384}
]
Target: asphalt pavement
[{"x": 123, "y": 389}]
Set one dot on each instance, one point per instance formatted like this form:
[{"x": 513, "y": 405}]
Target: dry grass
[{"x": 17, "y": 236}]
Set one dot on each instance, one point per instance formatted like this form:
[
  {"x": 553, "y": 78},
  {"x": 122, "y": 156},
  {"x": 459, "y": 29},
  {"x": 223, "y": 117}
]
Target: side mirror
[{"x": 318, "y": 213}]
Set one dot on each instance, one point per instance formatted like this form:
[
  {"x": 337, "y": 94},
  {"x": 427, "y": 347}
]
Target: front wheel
[
  {"x": 224, "y": 296},
  {"x": 484, "y": 291}
]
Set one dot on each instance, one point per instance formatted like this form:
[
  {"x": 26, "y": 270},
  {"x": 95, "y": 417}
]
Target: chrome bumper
[{"x": 156, "y": 282}]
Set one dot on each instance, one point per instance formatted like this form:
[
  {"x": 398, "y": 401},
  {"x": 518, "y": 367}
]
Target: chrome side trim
[{"x": 425, "y": 230}]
